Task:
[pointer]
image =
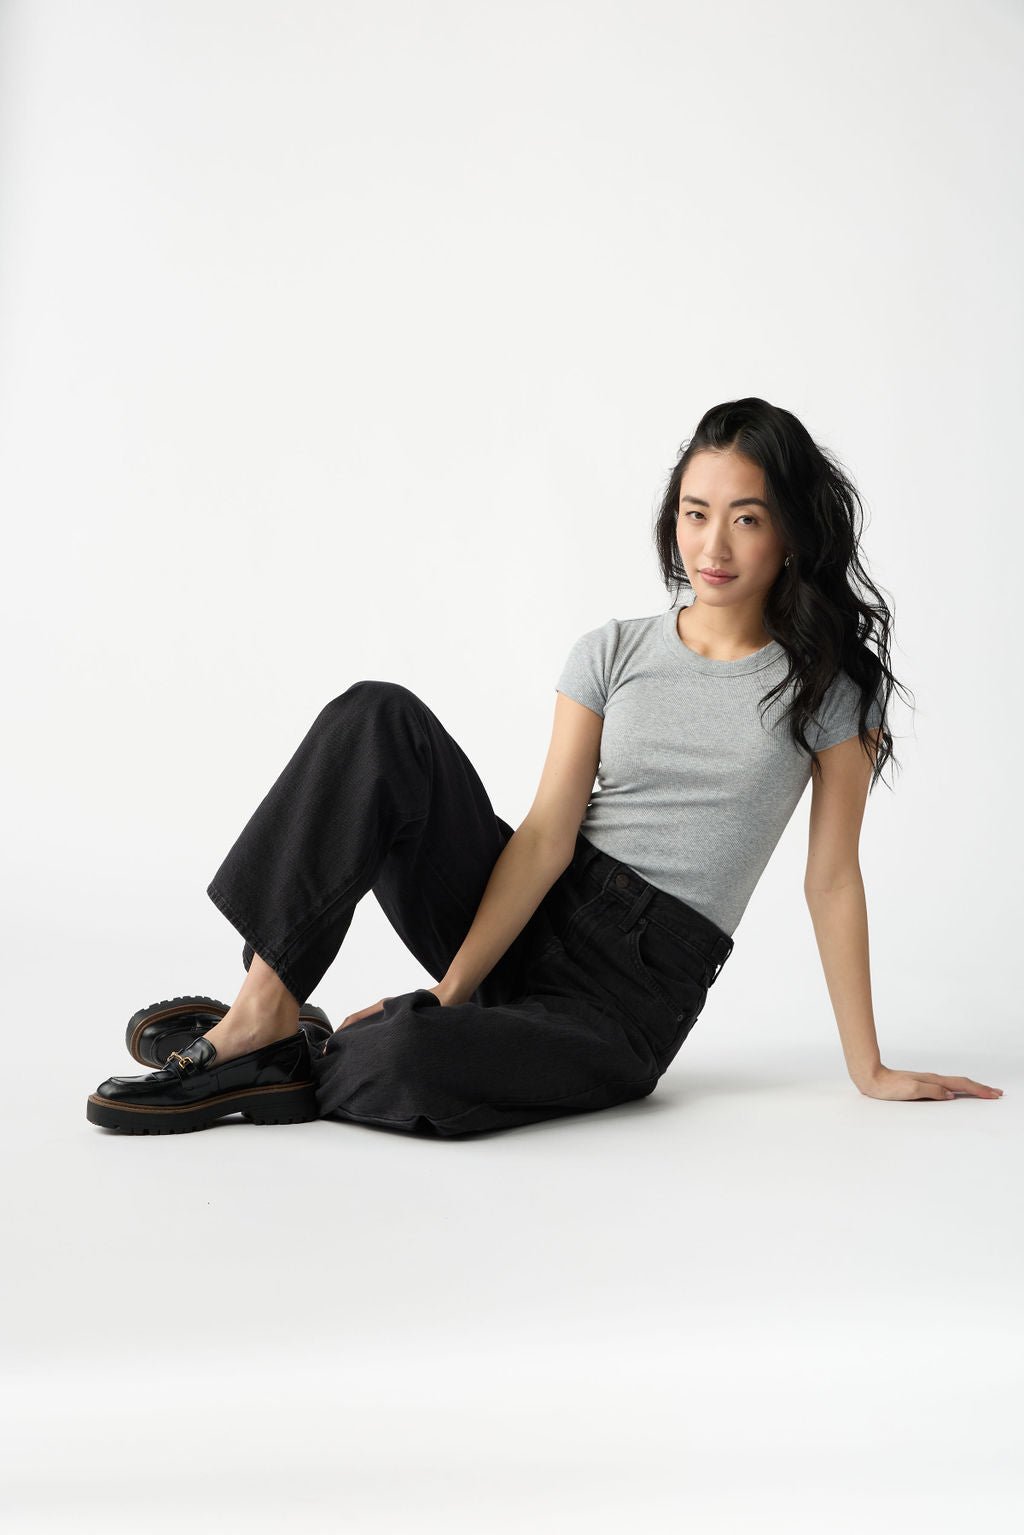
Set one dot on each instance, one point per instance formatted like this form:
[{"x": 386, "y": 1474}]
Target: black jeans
[{"x": 585, "y": 1009}]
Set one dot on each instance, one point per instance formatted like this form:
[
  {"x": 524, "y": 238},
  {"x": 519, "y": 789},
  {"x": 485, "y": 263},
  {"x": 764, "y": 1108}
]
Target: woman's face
[{"x": 724, "y": 524}]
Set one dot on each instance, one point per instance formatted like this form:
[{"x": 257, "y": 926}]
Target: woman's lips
[{"x": 716, "y": 580}]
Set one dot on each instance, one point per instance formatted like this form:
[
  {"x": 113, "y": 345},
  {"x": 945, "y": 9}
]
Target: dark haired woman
[{"x": 572, "y": 956}]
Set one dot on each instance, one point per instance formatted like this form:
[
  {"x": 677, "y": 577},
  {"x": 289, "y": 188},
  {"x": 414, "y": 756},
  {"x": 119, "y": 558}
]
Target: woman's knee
[{"x": 372, "y": 695}]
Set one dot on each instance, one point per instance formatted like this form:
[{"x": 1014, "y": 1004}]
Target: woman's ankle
[{"x": 249, "y": 1026}]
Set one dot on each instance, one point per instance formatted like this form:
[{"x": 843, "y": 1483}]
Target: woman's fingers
[
  {"x": 965, "y": 1085},
  {"x": 976, "y": 1089},
  {"x": 376, "y": 1007}
]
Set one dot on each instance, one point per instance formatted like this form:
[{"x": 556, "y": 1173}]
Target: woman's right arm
[{"x": 536, "y": 854}]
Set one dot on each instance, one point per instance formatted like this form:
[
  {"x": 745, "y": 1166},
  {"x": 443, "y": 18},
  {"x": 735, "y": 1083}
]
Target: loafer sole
[
  {"x": 289, "y": 1103},
  {"x": 154, "y": 1031}
]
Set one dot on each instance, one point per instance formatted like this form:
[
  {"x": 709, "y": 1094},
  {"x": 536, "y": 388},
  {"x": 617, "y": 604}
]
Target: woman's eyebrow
[{"x": 744, "y": 501}]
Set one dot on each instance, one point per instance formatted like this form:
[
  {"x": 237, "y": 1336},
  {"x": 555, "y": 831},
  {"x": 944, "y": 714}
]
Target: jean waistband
[{"x": 640, "y": 897}]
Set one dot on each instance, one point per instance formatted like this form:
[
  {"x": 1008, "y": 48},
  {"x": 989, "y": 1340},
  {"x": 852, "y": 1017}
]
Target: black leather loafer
[
  {"x": 154, "y": 1031},
  {"x": 270, "y": 1086}
]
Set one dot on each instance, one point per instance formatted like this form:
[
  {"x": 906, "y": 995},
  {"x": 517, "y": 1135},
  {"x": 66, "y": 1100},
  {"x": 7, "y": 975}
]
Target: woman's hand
[
  {"x": 883, "y": 1083},
  {"x": 375, "y": 1007},
  {"x": 443, "y": 994}
]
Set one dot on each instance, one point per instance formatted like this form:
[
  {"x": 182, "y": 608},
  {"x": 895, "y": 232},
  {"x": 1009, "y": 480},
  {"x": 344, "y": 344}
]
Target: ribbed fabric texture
[{"x": 694, "y": 791}]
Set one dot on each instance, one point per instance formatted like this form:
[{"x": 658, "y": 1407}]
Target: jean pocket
[
  {"x": 672, "y": 970},
  {"x": 569, "y": 921}
]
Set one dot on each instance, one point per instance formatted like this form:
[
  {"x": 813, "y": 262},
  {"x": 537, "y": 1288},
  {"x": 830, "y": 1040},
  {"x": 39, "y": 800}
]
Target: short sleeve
[
  {"x": 839, "y": 716},
  {"x": 587, "y": 671}
]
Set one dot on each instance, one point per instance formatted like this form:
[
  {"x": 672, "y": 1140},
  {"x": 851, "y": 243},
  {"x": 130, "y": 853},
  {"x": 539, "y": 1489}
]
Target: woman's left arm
[{"x": 834, "y": 892}]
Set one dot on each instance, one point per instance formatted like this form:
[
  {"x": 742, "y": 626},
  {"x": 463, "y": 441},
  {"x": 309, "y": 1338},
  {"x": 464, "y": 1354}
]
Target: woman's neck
[{"x": 720, "y": 634}]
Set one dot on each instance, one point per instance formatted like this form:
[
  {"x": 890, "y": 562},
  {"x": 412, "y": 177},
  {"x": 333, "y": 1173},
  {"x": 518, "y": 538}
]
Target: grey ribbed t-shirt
[{"x": 694, "y": 791}]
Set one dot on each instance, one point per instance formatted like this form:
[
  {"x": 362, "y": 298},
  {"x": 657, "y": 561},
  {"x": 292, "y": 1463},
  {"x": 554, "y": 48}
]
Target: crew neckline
[{"x": 755, "y": 662}]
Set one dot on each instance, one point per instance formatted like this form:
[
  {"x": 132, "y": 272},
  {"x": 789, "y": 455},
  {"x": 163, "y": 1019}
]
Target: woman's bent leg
[{"x": 377, "y": 796}]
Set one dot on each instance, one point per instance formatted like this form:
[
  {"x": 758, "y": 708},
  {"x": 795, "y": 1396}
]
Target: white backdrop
[{"x": 358, "y": 340}]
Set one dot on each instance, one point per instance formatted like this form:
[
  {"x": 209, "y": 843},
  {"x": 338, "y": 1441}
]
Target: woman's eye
[{"x": 745, "y": 517}]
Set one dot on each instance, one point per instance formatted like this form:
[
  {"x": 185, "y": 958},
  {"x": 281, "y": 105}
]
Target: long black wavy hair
[{"x": 823, "y": 609}]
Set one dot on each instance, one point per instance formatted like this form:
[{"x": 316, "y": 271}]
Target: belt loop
[{"x": 636, "y": 908}]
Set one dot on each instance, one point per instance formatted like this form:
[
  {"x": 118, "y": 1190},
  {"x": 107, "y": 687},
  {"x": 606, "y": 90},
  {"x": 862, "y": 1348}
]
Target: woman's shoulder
[{"x": 616, "y": 628}]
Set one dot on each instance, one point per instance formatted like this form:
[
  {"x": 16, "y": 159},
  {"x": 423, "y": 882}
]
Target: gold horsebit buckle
[{"x": 185, "y": 1062}]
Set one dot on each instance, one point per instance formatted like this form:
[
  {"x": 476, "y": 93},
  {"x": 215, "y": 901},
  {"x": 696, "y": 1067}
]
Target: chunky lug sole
[
  {"x": 290, "y": 1104},
  {"x": 154, "y": 1031}
]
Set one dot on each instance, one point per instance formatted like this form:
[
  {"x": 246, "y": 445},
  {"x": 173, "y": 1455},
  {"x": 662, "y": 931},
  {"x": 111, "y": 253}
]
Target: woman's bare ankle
[
  {"x": 249, "y": 1026},
  {"x": 263, "y": 1011}
]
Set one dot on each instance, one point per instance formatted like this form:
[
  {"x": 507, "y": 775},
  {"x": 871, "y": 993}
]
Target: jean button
[{"x": 622, "y": 880}]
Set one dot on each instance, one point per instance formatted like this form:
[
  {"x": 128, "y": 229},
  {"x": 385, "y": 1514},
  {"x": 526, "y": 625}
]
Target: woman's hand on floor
[{"x": 883, "y": 1083}]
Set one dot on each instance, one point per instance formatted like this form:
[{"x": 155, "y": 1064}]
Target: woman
[{"x": 574, "y": 955}]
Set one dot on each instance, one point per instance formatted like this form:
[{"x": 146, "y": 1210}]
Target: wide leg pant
[{"x": 585, "y": 1009}]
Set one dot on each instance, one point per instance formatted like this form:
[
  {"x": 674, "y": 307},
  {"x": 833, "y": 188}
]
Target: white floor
[{"x": 754, "y": 1300}]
